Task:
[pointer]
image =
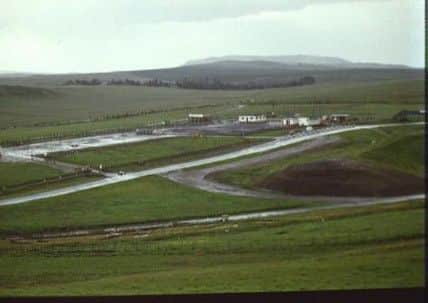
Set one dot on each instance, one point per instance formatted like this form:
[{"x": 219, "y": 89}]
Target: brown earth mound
[{"x": 343, "y": 179}]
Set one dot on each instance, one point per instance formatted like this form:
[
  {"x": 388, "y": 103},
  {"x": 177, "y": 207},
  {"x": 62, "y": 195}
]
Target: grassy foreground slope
[
  {"x": 142, "y": 200},
  {"x": 399, "y": 148},
  {"x": 372, "y": 247}
]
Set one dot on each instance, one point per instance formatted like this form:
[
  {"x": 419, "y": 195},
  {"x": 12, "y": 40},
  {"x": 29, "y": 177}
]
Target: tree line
[
  {"x": 93, "y": 81},
  {"x": 206, "y": 83},
  {"x": 152, "y": 82},
  {"x": 125, "y": 82},
  {"x": 217, "y": 84}
]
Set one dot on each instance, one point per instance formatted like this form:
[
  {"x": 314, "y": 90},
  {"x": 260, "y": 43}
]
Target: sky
[{"x": 62, "y": 36}]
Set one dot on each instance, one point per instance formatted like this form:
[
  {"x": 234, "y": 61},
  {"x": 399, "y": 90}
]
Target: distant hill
[
  {"x": 297, "y": 60},
  {"x": 243, "y": 69}
]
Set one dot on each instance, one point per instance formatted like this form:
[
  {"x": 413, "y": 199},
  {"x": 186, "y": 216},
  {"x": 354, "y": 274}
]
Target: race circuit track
[{"x": 278, "y": 142}]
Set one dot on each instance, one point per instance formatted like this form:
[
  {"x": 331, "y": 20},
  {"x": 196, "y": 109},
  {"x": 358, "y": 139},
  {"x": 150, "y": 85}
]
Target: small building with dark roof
[{"x": 198, "y": 118}]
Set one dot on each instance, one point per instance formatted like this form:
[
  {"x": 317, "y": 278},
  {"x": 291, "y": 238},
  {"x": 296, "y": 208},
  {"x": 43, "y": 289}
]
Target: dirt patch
[
  {"x": 205, "y": 179},
  {"x": 343, "y": 178}
]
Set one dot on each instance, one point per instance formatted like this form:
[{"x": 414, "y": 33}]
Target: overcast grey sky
[{"x": 104, "y": 35}]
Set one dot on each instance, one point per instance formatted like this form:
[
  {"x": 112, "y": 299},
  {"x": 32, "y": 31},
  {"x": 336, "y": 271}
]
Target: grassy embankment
[
  {"x": 370, "y": 247},
  {"x": 137, "y": 156},
  {"x": 27, "y": 178},
  {"x": 400, "y": 148},
  {"x": 143, "y": 200},
  {"x": 369, "y": 102},
  {"x": 17, "y": 173}
]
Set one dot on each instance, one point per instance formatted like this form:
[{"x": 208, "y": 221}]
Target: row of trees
[
  {"x": 198, "y": 83},
  {"x": 217, "y": 84},
  {"x": 153, "y": 82},
  {"x": 127, "y": 82},
  {"x": 93, "y": 81}
]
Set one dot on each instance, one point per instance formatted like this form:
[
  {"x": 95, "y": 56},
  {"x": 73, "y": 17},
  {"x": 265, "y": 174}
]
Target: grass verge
[
  {"x": 143, "y": 200},
  {"x": 13, "y": 173}
]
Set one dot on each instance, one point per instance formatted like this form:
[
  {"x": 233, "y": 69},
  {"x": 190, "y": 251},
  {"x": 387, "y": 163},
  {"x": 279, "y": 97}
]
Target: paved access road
[{"x": 278, "y": 142}]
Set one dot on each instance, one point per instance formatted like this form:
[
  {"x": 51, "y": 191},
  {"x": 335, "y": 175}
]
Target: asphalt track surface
[{"x": 278, "y": 142}]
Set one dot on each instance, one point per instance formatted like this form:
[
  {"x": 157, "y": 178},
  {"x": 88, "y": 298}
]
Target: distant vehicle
[
  {"x": 121, "y": 173},
  {"x": 74, "y": 145}
]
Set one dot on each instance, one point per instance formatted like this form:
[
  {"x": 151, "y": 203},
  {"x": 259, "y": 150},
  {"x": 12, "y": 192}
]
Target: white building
[
  {"x": 303, "y": 121},
  {"x": 290, "y": 122},
  {"x": 197, "y": 116},
  {"x": 314, "y": 122},
  {"x": 253, "y": 118},
  {"x": 300, "y": 121}
]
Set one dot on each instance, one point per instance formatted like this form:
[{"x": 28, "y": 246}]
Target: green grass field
[
  {"x": 18, "y": 173},
  {"x": 371, "y": 247},
  {"x": 406, "y": 153},
  {"x": 143, "y": 200},
  {"x": 42, "y": 187},
  {"x": 62, "y": 103},
  {"x": 20, "y": 178},
  {"x": 159, "y": 152},
  {"x": 66, "y": 103},
  {"x": 381, "y": 92},
  {"x": 399, "y": 148},
  {"x": 369, "y": 102}
]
